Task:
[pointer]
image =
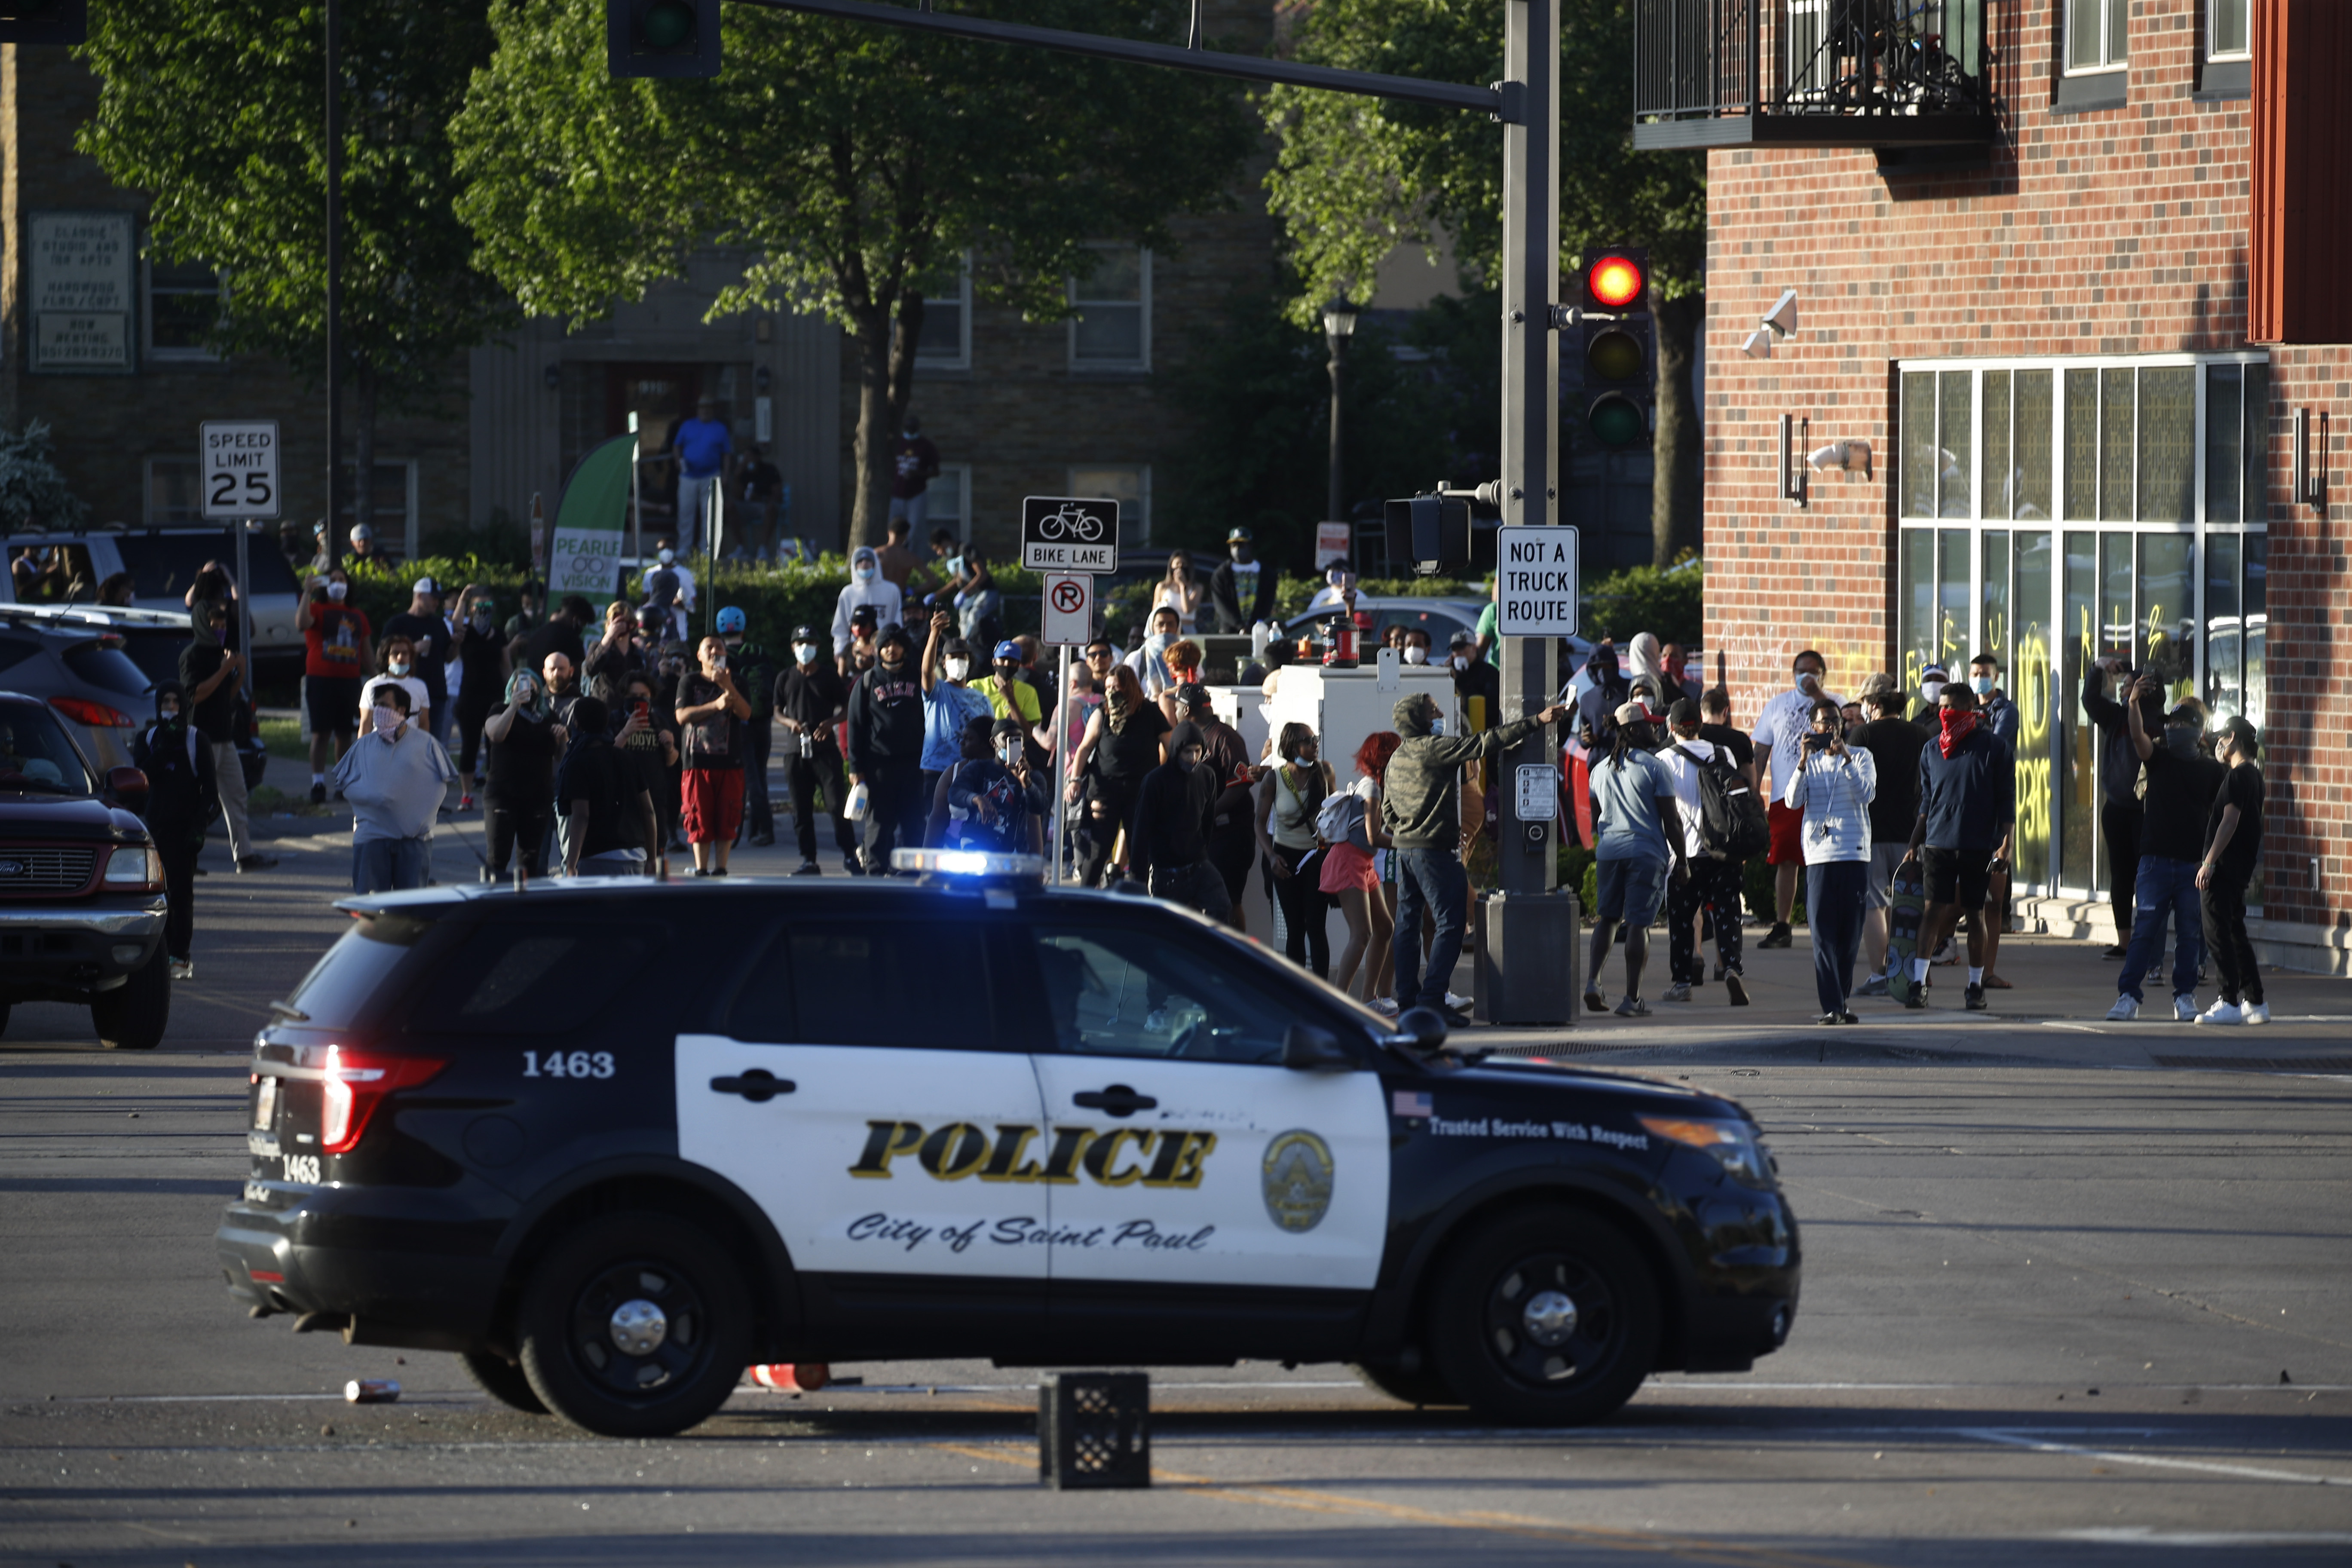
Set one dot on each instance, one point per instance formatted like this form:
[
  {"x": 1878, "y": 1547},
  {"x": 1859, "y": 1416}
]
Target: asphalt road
[{"x": 2062, "y": 1304}]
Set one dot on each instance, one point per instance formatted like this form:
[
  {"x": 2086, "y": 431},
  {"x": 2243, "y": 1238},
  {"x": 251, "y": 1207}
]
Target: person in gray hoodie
[
  {"x": 1424, "y": 825},
  {"x": 395, "y": 779}
]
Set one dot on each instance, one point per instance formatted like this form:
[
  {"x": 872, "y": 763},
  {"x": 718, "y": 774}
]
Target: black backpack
[{"x": 1731, "y": 820}]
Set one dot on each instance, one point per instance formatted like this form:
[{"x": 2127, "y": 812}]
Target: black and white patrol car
[{"x": 612, "y": 1142}]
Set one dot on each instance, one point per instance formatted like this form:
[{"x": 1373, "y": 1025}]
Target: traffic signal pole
[
  {"x": 1529, "y": 861},
  {"x": 335, "y": 287}
]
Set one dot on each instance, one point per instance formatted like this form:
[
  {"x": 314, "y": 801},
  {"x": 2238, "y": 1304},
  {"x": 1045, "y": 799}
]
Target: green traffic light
[
  {"x": 1614, "y": 356},
  {"x": 1616, "y": 422},
  {"x": 669, "y": 25}
]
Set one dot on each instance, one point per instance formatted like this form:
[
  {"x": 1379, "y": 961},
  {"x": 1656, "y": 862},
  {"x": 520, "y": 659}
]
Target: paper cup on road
[{"x": 372, "y": 1391}]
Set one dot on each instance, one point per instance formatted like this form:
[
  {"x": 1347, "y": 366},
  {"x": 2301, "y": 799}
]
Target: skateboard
[{"x": 1906, "y": 907}]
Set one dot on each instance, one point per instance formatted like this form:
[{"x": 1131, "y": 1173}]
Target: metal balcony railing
[{"x": 1826, "y": 73}]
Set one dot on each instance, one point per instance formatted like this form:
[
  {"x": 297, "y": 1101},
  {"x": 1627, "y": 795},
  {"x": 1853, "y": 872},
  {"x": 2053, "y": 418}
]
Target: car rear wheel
[
  {"x": 1547, "y": 1318},
  {"x": 132, "y": 1016},
  {"x": 502, "y": 1380},
  {"x": 635, "y": 1325},
  {"x": 1421, "y": 1386}
]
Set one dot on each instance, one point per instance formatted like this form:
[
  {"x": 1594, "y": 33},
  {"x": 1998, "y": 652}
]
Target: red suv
[{"x": 81, "y": 888}]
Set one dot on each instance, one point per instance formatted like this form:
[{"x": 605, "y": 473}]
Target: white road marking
[
  {"x": 2016, "y": 1439},
  {"x": 2141, "y": 1535}
]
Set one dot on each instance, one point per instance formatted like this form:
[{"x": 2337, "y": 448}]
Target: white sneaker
[
  {"x": 2257, "y": 1012},
  {"x": 181, "y": 969},
  {"x": 1385, "y": 1005},
  {"x": 1460, "y": 1003},
  {"x": 2126, "y": 1009},
  {"x": 2222, "y": 1012},
  {"x": 2184, "y": 1008}
]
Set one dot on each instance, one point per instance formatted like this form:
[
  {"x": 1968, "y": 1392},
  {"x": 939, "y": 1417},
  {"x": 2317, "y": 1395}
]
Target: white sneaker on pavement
[
  {"x": 2222, "y": 1012},
  {"x": 1459, "y": 1003},
  {"x": 2126, "y": 1009},
  {"x": 2184, "y": 1008},
  {"x": 2257, "y": 1012}
]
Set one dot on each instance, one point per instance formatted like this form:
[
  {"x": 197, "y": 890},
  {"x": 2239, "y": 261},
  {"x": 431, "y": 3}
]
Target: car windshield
[
  {"x": 35, "y": 757},
  {"x": 163, "y": 565},
  {"x": 112, "y": 671}
]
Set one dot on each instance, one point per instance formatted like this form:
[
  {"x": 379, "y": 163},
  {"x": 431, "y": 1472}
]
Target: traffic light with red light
[
  {"x": 52, "y": 21},
  {"x": 1620, "y": 350},
  {"x": 659, "y": 37}
]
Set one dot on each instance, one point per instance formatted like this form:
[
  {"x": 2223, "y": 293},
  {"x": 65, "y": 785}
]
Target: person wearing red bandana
[{"x": 1968, "y": 799}]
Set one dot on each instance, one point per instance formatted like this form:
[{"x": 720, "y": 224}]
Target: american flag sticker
[{"x": 1410, "y": 1104}]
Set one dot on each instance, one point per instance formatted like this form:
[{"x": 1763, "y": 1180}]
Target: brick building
[{"x": 2049, "y": 268}]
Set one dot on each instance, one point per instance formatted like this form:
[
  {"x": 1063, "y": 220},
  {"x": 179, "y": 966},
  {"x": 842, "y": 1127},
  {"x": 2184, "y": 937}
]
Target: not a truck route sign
[
  {"x": 1070, "y": 534},
  {"x": 1538, "y": 582},
  {"x": 239, "y": 467}
]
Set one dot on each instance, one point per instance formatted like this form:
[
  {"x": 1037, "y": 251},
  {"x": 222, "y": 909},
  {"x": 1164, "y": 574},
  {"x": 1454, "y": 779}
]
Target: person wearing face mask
[
  {"x": 1242, "y": 589},
  {"x": 810, "y": 700},
  {"x": 1477, "y": 685},
  {"x": 2179, "y": 785},
  {"x": 430, "y": 649},
  {"x": 481, "y": 680},
  {"x": 1925, "y": 710},
  {"x": 183, "y": 796},
  {"x": 397, "y": 666},
  {"x": 949, "y": 703},
  {"x": 1338, "y": 590},
  {"x": 1007, "y": 689},
  {"x": 1149, "y": 662},
  {"x": 616, "y": 656},
  {"x": 710, "y": 711},
  {"x": 2120, "y": 814},
  {"x": 978, "y": 605},
  {"x": 990, "y": 801},
  {"x": 1288, "y": 805},
  {"x": 2233, "y": 852},
  {"x": 886, "y": 748},
  {"x": 1414, "y": 646},
  {"x": 1175, "y": 813},
  {"x": 755, "y": 675},
  {"x": 867, "y": 589},
  {"x": 2001, "y": 717},
  {"x": 1968, "y": 802},
  {"x": 1834, "y": 785},
  {"x": 1636, "y": 835},
  {"x": 209, "y": 675},
  {"x": 1122, "y": 743},
  {"x": 1780, "y": 737},
  {"x": 1714, "y": 880},
  {"x": 1421, "y": 812},
  {"x": 396, "y": 778},
  {"x": 518, "y": 793},
  {"x": 914, "y": 464},
  {"x": 336, "y": 657},
  {"x": 645, "y": 737}
]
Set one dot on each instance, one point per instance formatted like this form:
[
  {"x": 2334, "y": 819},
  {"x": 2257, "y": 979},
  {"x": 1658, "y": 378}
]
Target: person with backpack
[
  {"x": 183, "y": 798},
  {"x": 1632, "y": 805},
  {"x": 1175, "y": 812},
  {"x": 1832, "y": 785},
  {"x": 1894, "y": 744},
  {"x": 1350, "y": 877},
  {"x": 1723, "y": 826}
]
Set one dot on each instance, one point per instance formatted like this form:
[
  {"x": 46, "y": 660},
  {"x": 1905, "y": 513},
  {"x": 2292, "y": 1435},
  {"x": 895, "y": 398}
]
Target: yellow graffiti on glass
[{"x": 2033, "y": 846}]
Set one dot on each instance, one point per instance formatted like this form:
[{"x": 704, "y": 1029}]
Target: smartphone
[
  {"x": 1816, "y": 741},
  {"x": 639, "y": 708}
]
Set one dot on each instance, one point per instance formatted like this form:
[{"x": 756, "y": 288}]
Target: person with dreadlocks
[{"x": 1632, "y": 805}]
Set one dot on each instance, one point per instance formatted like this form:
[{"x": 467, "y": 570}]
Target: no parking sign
[{"x": 1069, "y": 615}]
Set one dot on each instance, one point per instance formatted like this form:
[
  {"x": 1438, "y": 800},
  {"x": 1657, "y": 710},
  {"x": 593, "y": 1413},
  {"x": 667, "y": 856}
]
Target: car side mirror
[
  {"x": 128, "y": 785},
  {"x": 1421, "y": 1029},
  {"x": 1306, "y": 1048}
]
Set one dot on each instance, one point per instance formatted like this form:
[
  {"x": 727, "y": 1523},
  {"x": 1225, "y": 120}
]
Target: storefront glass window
[
  {"x": 2167, "y": 611},
  {"x": 2082, "y": 445},
  {"x": 1994, "y": 637},
  {"x": 2031, "y": 442},
  {"x": 2256, "y": 598},
  {"x": 2256, "y": 445},
  {"x": 2118, "y": 631},
  {"x": 2225, "y": 441},
  {"x": 2079, "y": 863},
  {"x": 2000, "y": 477},
  {"x": 1918, "y": 445},
  {"x": 2116, "y": 446},
  {"x": 1954, "y": 614},
  {"x": 1916, "y": 615},
  {"x": 1954, "y": 460},
  {"x": 2225, "y": 648},
  {"x": 2168, "y": 443},
  {"x": 2030, "y": 686}
]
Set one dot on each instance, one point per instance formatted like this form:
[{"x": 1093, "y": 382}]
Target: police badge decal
[{"x": 1296, "y": 1179}]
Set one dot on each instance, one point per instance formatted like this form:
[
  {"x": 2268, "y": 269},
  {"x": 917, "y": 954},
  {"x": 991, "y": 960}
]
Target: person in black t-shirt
[
  {"x": 646, "y": 737},
  {"x": 523, "y": 741},
  {"x": 610, "y": 814},
  {"x": 2233, "y": 852},
  {"x": 429, "y": 634},
  {"x": 209, "y": 673},
  {"x": 1474, "y": 677},
  {"x": 1892, "y": 743},
  {"x": 810, "y": 698},
  {"x": 1716, "y": 730},
  {"x": 2180, "y": 787}
]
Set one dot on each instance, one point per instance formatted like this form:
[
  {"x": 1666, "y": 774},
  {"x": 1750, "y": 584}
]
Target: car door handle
[
  {"x": 1117, "y": 1100},
  {"x": 759, "y": 1086}
]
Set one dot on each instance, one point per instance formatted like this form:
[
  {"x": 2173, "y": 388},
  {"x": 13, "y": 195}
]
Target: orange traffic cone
[{"x": 793, "y": 1377}]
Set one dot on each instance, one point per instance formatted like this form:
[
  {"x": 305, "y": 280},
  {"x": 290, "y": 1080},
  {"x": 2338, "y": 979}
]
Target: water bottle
[{"x": 1261, "y": 634}]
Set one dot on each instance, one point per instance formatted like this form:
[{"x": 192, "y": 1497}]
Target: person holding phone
[
  {"x": 709, "y": 715},
  {"x": 1833, "y": 787}
]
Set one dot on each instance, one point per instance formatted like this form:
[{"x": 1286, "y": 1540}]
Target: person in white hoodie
[
  {"x": 1834, "y": 785},
  {"x": 1713, "y": 885},
  {"x": 396, "y": 778},
  {"x": 866, "y": 585}
]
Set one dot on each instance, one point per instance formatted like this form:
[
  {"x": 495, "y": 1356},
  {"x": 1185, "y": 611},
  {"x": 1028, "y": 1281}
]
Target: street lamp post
[{"x": 1338, "y": 326}]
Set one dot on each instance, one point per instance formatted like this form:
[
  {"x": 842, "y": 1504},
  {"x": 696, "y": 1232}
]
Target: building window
[
  {"x": 1112, "y": 327},
  {"x": 395, "y": 514},
  {"x": 2095, "y": 34},
  {"x": 2160, "y": 467},
  {"x": 2229, "y": 31},
  {"x": 184, "y": 301},
  {"x": 175, "y": 491},
  {"x": 945, "y": 343},
  {"x": 1128, "y": 484},
  {"x": 950, "y": 502}
]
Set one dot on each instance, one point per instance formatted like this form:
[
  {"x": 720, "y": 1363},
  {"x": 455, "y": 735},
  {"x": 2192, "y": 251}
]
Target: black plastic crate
[{"x": 1094, "y": 1429}]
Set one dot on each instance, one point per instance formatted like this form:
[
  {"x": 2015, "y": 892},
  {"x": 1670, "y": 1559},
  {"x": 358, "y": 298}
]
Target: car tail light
[
  {"x": 96, "y": 715},
  {"x": 355, "y": 1084}
]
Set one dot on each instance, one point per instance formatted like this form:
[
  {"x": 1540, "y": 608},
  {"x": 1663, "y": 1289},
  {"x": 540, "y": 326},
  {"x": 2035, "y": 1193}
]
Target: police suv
[{"x": 612, "y": 1141}]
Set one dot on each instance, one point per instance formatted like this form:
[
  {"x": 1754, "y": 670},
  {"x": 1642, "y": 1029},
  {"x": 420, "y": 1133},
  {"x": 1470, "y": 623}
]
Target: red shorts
[
  {"x": 1787, "y": 834},
  {"x": 713, "y": 805}
]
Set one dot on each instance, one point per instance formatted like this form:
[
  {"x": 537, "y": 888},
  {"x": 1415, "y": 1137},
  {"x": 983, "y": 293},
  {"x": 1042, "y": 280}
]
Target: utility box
[
  {"x": 1529, "y": 945},
  {"x": 1094, "y": 1429}
]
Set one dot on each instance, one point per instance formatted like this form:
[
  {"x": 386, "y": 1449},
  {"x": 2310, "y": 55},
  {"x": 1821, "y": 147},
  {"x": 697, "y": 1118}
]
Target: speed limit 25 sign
[{"x": 240, "y": 468}]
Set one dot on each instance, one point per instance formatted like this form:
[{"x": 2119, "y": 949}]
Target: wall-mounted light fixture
[
  {"x": 1758, "y": 344},
  {"x": 1780, "y": 322},
  {"x": 1851, "y": 457},
  {"x": 2310, "y": 460},
  {"x": 554, "y": 375},
  {"x": 1794, "y": 481}
]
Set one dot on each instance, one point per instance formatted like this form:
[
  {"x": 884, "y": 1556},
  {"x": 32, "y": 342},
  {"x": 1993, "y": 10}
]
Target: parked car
[
  {"x": 1441, "y": 619},
  {"x": 152, "y": 639},
  {"x": 82, "y": 673},
  {"x": 162, "y": 562},
  {"x": 81, "y": 888}
]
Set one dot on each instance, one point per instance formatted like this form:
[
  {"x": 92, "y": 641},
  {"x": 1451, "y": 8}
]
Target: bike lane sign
[{"x": 1069, "y": 534}]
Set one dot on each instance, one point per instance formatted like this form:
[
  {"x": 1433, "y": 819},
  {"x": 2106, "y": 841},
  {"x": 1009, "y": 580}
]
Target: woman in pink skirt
[{"x": 1350, "y": 877}]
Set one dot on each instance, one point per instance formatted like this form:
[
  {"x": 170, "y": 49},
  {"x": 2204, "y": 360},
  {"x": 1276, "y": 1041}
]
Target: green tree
[
  {"x": 848, "y": 163},
  {"x": 216, "y": 108},
  {"x": 1356, "y": 177}
]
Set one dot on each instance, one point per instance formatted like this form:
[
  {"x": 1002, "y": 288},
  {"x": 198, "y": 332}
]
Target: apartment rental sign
[{"x": 83, "y": 268}]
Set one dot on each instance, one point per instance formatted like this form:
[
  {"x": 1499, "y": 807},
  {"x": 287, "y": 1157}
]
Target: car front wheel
[
  {"x": 635, "y": 1325},
  {"x": 1545, "y": 1317},
  {"x": 132, "y": 1016}
]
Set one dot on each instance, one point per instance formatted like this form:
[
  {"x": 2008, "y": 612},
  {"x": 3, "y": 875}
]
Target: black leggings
[
  {"x": 809, "y": 775},
  {"x": 1305, "y": 908},
  {"x": 2226, "y": 938},
  {"x": 1117, "y": 798},
  {"x": 2119, "y": 825},
  {"x": 473, "y": 713},
  {"x": 514, "y": 827},
  {"x": 178, "y": 850}
]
